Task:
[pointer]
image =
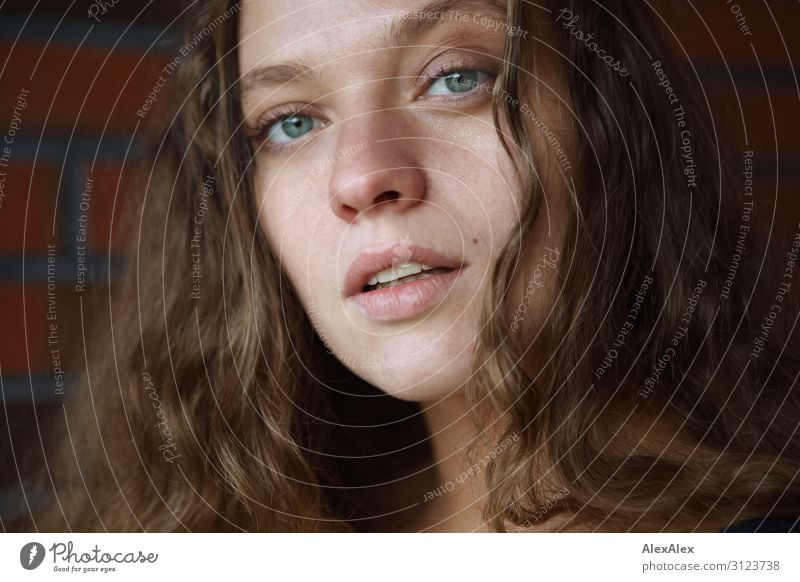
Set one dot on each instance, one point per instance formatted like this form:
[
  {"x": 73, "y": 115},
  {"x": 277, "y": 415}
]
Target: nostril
[{"x": 390, "y": 196}]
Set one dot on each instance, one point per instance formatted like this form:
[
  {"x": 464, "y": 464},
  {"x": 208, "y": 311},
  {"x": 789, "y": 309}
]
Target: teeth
[
  {"x": 403, "y": 281},
  {"x": 398, "y": 272}
]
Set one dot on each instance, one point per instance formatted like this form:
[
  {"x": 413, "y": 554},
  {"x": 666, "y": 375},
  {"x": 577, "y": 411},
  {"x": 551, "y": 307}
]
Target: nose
[{"x": 376, "y": 170}]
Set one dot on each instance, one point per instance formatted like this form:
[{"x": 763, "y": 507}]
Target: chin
[{"x": 434, "y": 372}]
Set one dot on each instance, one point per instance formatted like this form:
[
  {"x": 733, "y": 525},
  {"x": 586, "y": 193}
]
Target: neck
[
  {"x": 458, "y": 503},
  {"x": 456, "y": 500}
]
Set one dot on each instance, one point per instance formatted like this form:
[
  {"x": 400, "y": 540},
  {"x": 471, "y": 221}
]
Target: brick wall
[
  {"x": 68, "y": 104},
  {"x": 70, "y": 93}
]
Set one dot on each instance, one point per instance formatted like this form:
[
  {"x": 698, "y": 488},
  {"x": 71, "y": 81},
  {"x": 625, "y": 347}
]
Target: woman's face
[{"x": 384, "y": 190}]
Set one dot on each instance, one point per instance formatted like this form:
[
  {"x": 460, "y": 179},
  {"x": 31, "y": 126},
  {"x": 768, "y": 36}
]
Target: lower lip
[{"x": 406, "y": 300}]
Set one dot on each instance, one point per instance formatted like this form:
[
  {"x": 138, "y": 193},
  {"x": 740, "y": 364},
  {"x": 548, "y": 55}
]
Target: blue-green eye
[
  {"x": 291, "y": 128},
  {"x": 460, "y": 81}
]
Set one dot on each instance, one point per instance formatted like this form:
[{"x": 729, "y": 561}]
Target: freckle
[{"x": 475, "y": 241}]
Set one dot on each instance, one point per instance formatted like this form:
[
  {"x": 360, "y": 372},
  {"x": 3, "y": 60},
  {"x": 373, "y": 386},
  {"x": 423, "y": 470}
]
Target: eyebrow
[
  {"x": 277, "y": 74},
  {"x": 404, "y": 29},
  {"x": 401, "y": 31}
]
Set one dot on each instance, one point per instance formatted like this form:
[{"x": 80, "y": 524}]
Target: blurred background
[{"x": 74, "y": 78}]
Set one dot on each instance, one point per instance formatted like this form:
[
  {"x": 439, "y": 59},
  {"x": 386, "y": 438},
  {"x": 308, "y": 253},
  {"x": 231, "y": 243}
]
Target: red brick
[
  {"x": 109, "y": 189},
  {"x": 37, "y": 189},
  {"x": 783, "y": 205},
  {"x": 699, "y": 42},
  {"x": 13, "y": 356},
  {"x": 65, "y": 76},
  {"x": 764, "y": 119}
]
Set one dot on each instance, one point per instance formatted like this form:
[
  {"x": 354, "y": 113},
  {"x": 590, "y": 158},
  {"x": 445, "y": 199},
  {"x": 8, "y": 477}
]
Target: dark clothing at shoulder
[{"x": 765, "y": 525}]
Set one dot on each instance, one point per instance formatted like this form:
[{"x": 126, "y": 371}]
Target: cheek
[
  {"x": 273, "y": 208},
  {"x": 472, "y": 182},
  {"x": 534, "y": 285},
  {"x": 291, "y": 221},
  {"x": 285, "y": 200}
]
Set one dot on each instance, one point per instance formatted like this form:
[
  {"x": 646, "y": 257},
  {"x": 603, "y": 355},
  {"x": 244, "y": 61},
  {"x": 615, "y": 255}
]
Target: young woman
[{"x": 450, "y": 266}]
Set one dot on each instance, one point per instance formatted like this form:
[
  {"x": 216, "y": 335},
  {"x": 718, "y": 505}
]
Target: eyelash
[
  {"x": 262, "y": 129},
  {"x": 264, "y": 125},
  {"x": 450, "y": 68}
]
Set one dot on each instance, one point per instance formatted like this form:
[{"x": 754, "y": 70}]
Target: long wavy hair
[{"x": 642, "y": 401}]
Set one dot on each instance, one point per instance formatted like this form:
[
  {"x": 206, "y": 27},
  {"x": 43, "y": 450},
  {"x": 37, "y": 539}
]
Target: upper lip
[{"x": 368, "y": 263}]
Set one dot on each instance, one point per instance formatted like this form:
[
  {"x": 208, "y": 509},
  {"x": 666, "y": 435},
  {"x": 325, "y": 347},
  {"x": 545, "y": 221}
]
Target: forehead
[{"x": 273, "y": 30}]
